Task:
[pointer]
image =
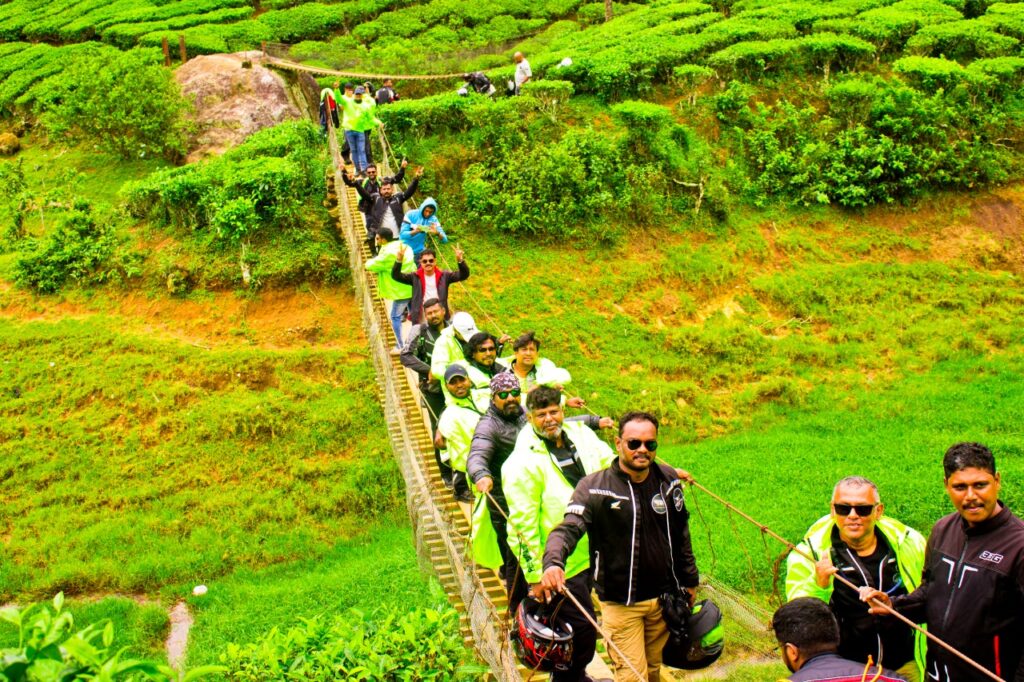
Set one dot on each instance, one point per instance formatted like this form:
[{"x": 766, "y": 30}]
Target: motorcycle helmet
[
  {"x": 700, "y": 642},
  {"x": 539, "y": 643}
]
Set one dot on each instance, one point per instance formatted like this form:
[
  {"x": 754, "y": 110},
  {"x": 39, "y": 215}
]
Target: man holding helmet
[{"x": 634, "y": 514}]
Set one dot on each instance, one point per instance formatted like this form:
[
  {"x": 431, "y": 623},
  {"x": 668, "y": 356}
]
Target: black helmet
[
  {"x": 700, "y": 642},
  {"x": 539, "y": 643}
]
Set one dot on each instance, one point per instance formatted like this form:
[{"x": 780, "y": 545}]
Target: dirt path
[{"x": 177, "y": 639}]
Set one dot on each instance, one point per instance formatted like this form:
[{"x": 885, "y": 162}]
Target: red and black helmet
[{"x": 540, "y": 643}]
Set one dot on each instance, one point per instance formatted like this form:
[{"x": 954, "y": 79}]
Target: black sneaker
[{"x": 464, "y": 496}]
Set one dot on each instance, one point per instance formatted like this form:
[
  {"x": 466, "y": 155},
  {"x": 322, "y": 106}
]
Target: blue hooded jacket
[{"x": 417, "y": 242}]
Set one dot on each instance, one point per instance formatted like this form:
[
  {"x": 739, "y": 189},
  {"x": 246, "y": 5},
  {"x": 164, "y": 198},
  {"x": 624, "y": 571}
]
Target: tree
[
  {"x": 124, "y": 102},
  {"x": 608, "y": 12}
]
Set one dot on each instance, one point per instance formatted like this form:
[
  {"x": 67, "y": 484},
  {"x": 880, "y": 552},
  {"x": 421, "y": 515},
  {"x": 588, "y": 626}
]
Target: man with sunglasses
[
  {"x": 871, "y": 550},
  {"x": 429, "y": 281},
  {"x": 634, "y": 516}
]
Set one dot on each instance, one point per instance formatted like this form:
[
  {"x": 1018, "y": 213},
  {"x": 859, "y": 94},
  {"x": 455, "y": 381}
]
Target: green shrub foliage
[
  {"x": 390, "y": 645},
  {"x": 48, "y": 651},
  {"x": 84, "y": 249},
  {"x": 261, "y": 185},
  {"x": 123, "y": 102}
]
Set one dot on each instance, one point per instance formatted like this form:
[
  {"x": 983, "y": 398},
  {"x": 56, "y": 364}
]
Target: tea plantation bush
[{"x": 393, "y": 644}]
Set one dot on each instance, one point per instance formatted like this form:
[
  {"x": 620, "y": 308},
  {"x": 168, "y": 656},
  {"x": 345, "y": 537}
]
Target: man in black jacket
[
  {"x": 416, "y": 356},
  {"x": 429, "y": 281},
  {"x": 636, "y": 518},
  {"x": 972, "y": 592},
  {"x": 385, "y": 206},
  {"x": 371, "y": 183}
]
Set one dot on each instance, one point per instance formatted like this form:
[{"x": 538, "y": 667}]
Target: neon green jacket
[
  {"x": 388, "y": 287},
  {"x": 545, "y": 373},
  {"x": 457, "y": 424},
  {"x": 537, "y": 494},
  {"x": 358, "y": 115},
  {"x": 907, "y": 543}
]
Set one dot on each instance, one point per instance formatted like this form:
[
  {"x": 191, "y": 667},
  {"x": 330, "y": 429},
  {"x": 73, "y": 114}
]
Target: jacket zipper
[
  {"x": 597, "y": 564},
  {"x": 632, "y": 548},
  {"x": 956, "y": 571}
]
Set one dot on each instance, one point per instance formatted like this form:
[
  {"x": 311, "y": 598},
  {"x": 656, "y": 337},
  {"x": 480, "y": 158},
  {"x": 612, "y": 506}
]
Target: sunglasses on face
[
  {"x": 426, "y": 261},
  {"x": 861, "y": 509},
  {"x": 635, "y": 443},
  {"x": 515, "y": 392}
]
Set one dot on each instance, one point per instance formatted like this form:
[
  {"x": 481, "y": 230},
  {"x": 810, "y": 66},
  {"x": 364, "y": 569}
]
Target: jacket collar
[
  {"x": 655, "y": 471},
  {"x": 492, "y": 410},
  {"x": 990, "y": 524}
]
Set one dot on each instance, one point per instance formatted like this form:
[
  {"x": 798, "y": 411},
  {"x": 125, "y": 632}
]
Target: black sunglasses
[
  {"x": 861, "y": 509},
  {"x": 635, "y": 443},
  {"x": 515, "y": 393},
  {"x": 427, "y": 261}
]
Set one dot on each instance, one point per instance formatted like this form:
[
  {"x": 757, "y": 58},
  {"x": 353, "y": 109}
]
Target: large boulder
[
  {"x": 9, "y": 144},
  {"x": 232, "y": 101}
]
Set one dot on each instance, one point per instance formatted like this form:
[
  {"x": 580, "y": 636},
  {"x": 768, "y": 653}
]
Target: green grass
[
  {"x": 140, "y": 628},
  {"x": 782, "y": 470},
  {"x": 377, "y": 570},
  {"x": 130, "y": 463}
]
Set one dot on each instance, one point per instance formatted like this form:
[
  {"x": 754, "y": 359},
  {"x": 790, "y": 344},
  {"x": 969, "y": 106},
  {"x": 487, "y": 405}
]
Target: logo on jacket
[
  {"x": 989, "y": 556},
  {"x": 677, "y": 499},
  {"x": 658, "y": 504},
  {"x": 617, "y": 504}
]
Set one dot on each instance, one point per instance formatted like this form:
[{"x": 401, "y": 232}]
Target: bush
[
  {"x": 124, "y": 102},
  {"x": 392, "y": 644},
  {"x": 260, "y": 185},
  {"x": 83, "y": 248},
  {"x": 961, "y": 40}
]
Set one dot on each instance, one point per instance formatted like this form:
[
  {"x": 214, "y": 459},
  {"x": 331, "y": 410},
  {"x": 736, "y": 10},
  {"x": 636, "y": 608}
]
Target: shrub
[
  {"x": 48, "y": 651},
  {"x": 392, "y": 644},
  {"x": 9, "y": 144},
  {"x": 83, "y": 249},
  {"x": 122, "y": 101},
  {"x": 961, "y": 40}
]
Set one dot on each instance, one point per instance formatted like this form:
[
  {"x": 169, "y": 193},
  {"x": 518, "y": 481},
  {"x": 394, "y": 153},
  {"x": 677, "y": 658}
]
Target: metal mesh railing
[{"x": 442, "y": 530}]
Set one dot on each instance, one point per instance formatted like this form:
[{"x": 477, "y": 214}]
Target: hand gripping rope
[
  {"x": 892, "y": 612},
  {"x": 576, "y": 603}
]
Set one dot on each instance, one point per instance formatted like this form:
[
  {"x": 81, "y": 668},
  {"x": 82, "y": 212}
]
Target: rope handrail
[
  {"x": 323, "y": 71},
  {"x": 765, "y": 530}
]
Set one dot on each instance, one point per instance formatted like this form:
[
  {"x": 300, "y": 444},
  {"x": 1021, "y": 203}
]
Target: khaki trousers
[{"x": 640, "y": 632}]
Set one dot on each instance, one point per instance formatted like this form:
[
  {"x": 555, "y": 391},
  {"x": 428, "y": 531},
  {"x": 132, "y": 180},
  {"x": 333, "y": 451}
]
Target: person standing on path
[
  {"x": 634, "y": 517},
  {"x": 386, "y": 205},
  {"x": 390, "y": 289},
  {"x": 359, "y": 118},
  {"x": 416, "y": 356},
  {"x": 455, "y": 429},
  {"x": 420, "y": 222},
  {"x": 523, "y": 71}
]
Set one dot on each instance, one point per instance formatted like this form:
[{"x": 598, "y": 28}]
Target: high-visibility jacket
[
  {"x": 906, "y": 543},
  {"x": 358, "y": 116},
  {"x": 544, "y": 373},
  {"x": 457, "y": 424},
  {"x": 387, "y": 286},
  {"x": 538, "y": 493}
]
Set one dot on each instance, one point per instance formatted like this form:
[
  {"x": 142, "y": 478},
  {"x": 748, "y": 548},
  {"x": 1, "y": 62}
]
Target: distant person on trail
[
  {"x": 972, "y": 593},
  {"x": 639, "y": 561},
  {"x": 372, "y": 186},
  {"x": 420, "y": 222},
  {"x": 429, "y": 281},
  {"x": 347, "y": 93},
  {"x": 386, "y": 94},
  {"x": 385, "y": 206},
  {"x": 455, "y": 429},
  {"x": 328, "y": 107},
  {"x": 856, "y": 541},
  {"x": 390, "y": 289},
  {"x": 479, "y": 82},
  {"x": 416, "y": 356},
  {"x": 359, "y": 118},
  {"x": 523, "y": 71},
  {"x": 808, "y": 637},
  {"x": 551, "y": 456}
]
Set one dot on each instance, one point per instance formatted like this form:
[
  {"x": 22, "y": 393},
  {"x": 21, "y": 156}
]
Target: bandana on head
[{"x": 504, "y": 381}]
